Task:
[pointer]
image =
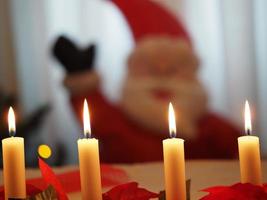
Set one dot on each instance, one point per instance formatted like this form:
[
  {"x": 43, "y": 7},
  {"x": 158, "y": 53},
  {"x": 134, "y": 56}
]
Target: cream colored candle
[
  {"x": 174, "y": 163},
  {"x": 13, "y": 162},
  {"x": 249, "y": 154},
  {"x": 89, "y": 162}
]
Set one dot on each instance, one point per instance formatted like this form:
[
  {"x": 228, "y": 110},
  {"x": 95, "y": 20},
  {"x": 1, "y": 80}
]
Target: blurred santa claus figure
[{"x": 162, "y": 68}]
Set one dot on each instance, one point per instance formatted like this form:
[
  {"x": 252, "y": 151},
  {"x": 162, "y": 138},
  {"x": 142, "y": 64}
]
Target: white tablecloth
[{"x": 203, "y": 173}]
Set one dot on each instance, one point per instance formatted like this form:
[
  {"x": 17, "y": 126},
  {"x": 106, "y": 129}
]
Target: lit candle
[
  {"x": 13, "y": 162},
  {"x": 89, "y": 161},
  {"x": 249, "y": 153},
  {"x": 174, "y": 162}
]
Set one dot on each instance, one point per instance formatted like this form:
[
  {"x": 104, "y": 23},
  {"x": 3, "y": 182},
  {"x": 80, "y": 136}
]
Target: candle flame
[
  {"x": 248, "y": 126},
  {"x": 172, "y": 121},
  {"x": 86, "y": 120},
  {"x": 11, "y": 121}
]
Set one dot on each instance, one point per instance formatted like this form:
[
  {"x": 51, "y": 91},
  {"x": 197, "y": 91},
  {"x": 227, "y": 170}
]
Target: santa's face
[{"x": 163, "y": 70}]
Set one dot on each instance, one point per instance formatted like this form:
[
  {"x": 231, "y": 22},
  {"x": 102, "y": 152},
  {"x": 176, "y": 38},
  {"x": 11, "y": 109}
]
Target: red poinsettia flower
[
  {"x": 237, "y": 191},
  {"x": 129, "y": 191},
  {"x": 31, "y": 190},
  {"x": 51, "y": 179}
]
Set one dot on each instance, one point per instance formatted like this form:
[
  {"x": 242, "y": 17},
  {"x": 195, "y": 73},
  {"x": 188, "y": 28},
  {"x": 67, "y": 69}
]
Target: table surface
[{"x": 203, "y": 174}]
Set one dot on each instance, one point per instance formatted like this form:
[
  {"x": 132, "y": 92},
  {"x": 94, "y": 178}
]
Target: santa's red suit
[{"x": 121, "y": 138}]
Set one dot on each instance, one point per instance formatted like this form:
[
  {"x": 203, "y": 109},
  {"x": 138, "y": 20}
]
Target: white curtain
[
  {"x": 36, "y": 25},
  {"x": 229, "y": 36},
  {"x": 231, "y": 40}
]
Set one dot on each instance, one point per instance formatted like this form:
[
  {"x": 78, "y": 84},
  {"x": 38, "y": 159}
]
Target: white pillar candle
[
  {"x": 13, "y": 162},
  {"x": 89, "y": 162},
  {"x": 249, "y": 153},
  {"x": 174, "y": 163}
]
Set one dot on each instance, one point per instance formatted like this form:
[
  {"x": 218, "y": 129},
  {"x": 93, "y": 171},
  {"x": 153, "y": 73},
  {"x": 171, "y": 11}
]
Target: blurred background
[{"x": 229, "y": 38}]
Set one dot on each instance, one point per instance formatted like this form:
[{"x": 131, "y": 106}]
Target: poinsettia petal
[
  {"x": 237, "y": 191},
  {"x": 214, "y": 189},
  {"x": 251, "y": 191},
  {"x": 144, "y": 194},
  {"x": 116, "y": 192},
  {"x": 51, "y": 179},
  {"x": 227, "y": 194},
  {"x": 129, "y": 191},
  {"x": 2, "y": 193},
  {"x": 32, "y": 190}
]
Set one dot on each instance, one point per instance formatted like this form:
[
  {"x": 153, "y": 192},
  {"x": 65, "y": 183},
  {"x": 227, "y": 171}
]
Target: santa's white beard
[{"x": 141, "y": 104}]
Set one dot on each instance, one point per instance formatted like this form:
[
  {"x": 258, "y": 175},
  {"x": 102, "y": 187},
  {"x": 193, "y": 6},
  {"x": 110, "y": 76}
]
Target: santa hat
[
  {"x": 126, "y": 22},
  {"x": 148, "y": 18},
  {"x": 144, "y": 18}
]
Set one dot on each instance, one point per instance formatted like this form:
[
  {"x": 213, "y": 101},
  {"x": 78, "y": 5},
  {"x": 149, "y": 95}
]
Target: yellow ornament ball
[{"x": 44, "y": 151}]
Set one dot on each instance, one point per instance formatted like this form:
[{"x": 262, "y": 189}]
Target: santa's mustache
[
  {"x": 189, "y": 99},
  {"x": 170, "y": 85}
]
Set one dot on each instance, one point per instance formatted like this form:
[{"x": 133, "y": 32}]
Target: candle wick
[
  {"x": 12, "y": 133},
  {"x": 248, "y": 132},
  {"x": 173, "y": 134},
  {"x": 87, "y": 135}
]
